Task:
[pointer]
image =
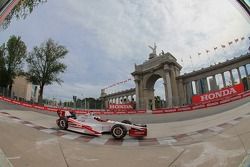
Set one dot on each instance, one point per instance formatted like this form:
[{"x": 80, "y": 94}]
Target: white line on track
[
  {"x": 48, "y": 130},
  {"x": 167, "y": 140},
  {"x": 216, "y": 129},
  {"x": 130, "y": 142},
  {"x": 98, "y": 141},
  {"x": 71, "y": 136}
]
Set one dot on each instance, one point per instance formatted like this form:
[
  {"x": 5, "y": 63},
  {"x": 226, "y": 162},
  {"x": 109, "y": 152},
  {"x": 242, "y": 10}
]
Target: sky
[{"x": 106, "y": 38}]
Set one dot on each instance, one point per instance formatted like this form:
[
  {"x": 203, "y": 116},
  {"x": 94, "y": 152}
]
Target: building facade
[
  {"x": 179, "y": 89},
  {"x": 24, "y": 90}
]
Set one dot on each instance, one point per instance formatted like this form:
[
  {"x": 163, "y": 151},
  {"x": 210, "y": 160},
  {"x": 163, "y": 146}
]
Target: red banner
[{"x": 220, "y": 94}]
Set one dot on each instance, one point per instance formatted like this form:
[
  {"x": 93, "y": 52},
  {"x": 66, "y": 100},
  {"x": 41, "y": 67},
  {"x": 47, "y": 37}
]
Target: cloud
[{"x": 106, "y": 37}]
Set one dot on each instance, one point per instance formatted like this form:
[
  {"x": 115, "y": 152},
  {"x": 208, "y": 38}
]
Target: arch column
[
  {"x": 137, "y": 93},
  {"x": 197, "y": 87},
  {"x": 238, "y": 70},
  {"x": 189, "y": 91},
  {"x": 223, "y": 79},
  {"x": 214, "y": 82},
  {"x": 181, "y": 92},
  {"x": 172, "y": 73},
  {"x": 231, "y": 76},
  {"x": 204, "y": 85},
  {"x": 245, "y": 67},
  {"x": 168, "y": 90}
]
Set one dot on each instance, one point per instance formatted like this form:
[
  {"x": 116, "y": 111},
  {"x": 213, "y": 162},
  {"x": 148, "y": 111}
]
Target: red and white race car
[{"x": 94, "y": 125}]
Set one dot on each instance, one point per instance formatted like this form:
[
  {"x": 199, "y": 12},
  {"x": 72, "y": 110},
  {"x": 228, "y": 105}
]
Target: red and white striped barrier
[
  {"x": 203, "y": 105},
  {"x": 158, "y": 111}
]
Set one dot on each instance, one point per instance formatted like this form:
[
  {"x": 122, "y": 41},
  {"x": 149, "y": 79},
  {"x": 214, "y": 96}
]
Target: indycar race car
[{"x": 94, "y": 125}]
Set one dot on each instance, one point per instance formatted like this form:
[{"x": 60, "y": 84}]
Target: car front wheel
[{"x": 63, "y": 123}]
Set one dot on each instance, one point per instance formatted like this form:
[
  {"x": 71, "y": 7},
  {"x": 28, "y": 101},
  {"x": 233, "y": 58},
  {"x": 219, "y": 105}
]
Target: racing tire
[
  {"x": 118, "y": 131},
  {"x": 127, "y": 122},
  {"x": 63, "y": 123}
]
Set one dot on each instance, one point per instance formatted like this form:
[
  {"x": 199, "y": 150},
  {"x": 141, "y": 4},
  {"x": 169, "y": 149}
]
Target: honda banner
[
  {"x": 120, "y": 107},
  {"x": 220, "y": 94}
]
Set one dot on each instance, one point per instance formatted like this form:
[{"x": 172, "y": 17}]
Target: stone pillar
[
  {"x": 122, "y": 100},
  {"x": 137, "y": 89},
  {"x": 223, "y": 79},
  {"x": 168, "y": 90},
  {"x": 181, "y": 92},
  {"x": 215, "y": 82},
  {"x": 184, "y": 98},
  {"x": 245, "y": 67},
  {"x": 204, "y": 86},
  {"x": 231, "y": 76},
  {"x": 189, "y": 92},
  {"x": 238, "y": 70},
  {"x": 173, "y": 86},
  {"x": 197, "y": 87}
]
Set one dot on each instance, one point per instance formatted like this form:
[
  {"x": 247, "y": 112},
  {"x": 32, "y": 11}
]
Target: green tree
[
  {"x": 44, "y": 65},
  {"x": 3, "y": 74},
  {"x": 158, "y": 102},
  {"x": 21, "y": 10},
  {"x": 11, "y": 60}
]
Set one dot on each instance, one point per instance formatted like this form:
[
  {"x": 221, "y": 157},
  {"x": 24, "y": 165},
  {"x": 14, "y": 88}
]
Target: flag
[
  {"x": 242, "y": 38},
  {"x": 215, "y": 48},
  {"x": 236, "y": 40},
  {"x": 199, "y": 54},
  {"x": 207, "y": 51},
  {"x": 229, "y": 43},
  {"x": 223, "y": 46}
]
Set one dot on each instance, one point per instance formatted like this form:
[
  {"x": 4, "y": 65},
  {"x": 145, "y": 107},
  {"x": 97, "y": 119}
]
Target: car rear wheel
[
  {"x": 118, "y": 131},
  {"x": 63, "y": 123}
]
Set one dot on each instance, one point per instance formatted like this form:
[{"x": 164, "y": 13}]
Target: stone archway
[
  {"x": 149, "y": 91},
  {"x": 163, "y": 66}
]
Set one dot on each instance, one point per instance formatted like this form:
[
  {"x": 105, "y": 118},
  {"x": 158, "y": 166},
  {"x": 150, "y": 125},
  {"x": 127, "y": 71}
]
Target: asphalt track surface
[
  {"x": 147, "y": 118},
  {"x": 26, "y": 146}
]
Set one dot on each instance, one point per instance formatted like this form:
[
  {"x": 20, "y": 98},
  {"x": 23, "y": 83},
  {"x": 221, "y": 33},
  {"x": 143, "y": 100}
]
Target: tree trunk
[
  {"x": 10, "y": 90},
  {"x": 40, "y": 97}
]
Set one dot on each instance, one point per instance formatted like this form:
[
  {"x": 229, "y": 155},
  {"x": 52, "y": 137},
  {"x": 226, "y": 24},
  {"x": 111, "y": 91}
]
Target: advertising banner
[
  {"x": 220, "y": 94},
  {"x": 120, "y": 107}
]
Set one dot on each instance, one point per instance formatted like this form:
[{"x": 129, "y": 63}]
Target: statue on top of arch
[{"x": 153, "y": 54}]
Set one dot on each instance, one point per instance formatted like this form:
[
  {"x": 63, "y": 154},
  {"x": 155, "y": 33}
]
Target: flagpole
[
  {"x": 215, "y": 50},
  {"x": 209, "y": 60},
  {"x": 191, "y": 61}
]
